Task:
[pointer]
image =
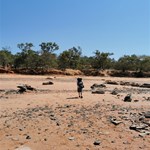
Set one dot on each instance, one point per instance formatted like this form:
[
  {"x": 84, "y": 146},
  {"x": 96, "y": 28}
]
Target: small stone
[
  {"x": 147, "y": 114},
  {"x": 71, "y": 138},
  {"x": 144, "y": 134},
  {"x": 136, "y": 100},
  {"x": 114, "y": 121},
  {"x": 28, "y": 137},
  {"x": 97, "y": 142},
  {"x": 15, "y": 138},
  {"x": 127, "y": 98},
  {"x": 57, "y": 123}
]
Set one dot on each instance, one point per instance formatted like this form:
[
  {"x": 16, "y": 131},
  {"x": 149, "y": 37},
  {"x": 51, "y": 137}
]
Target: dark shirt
[{"x": 80, "y": 84}]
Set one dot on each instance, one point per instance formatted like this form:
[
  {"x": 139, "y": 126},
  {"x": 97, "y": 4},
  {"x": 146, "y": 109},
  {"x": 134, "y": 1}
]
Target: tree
[
  {"x": 48, "y": 47},
  {"x": 144, "y": 63},
  {"x": 6, "y": 58},
  {"x": 25, "y": 47},
  {"x": 85, "y": 62},
  {"x": 28, "y": 58},
  {"x": 101, "y": 60},
  {"x": 128, "y": 62},
  {"x": 69, "y": 58},
  {"x": 47, "y": 57}
]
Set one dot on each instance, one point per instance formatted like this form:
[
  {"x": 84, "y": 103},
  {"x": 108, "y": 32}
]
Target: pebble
[
  {"x": 71, "y": 138},
  {"x": 97, "y": 142},
  {"x": 28, "y": 137}
]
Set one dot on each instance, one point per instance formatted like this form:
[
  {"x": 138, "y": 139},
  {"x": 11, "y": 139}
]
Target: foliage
[
  {"x": 127, "y": 63},
  {"x": 133, "y": 63},
  {"x": 48, "y": 47},
  {"x": 101, "y": 60},
  {"x": 6, "y": 58},
  {"x": 144, "y": 63},
  {"x": 70, "y": 58},
  {"x": 85, "y": 63},
  {"x": 26, "y": 58},
  {"x": 45, "y": 58}
]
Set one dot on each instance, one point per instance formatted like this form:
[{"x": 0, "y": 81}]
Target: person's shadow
[{"x": 73, "y": 97}]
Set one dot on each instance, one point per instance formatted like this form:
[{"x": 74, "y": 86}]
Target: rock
[
  {"x": 49, "y": 78},
  {"x": 135, "y": 84},
  {"x": 23, "y": 88},
  {"x": 98, "y": 91},
  {"x": 111, "y": 82},
  {"x": 144, "y": 134},
  {"x": 10, "y": 92},
  {"x": 57, "y": 123},
  {"x": 114, "y": 121},
  {"x": 23, "y": 148},
  {"x": 30, "y": 87},
  {"x": 148, "y": 98},
  {"x": 128, "y": 98},
  {"x": 97, "y": 142},
  {"x": 124, "y": 83},
  {"x": 138, "y": 127},
  {"x": 28, "y": 137},
  {"x": 147, "y": 114},
  {"x": 15, "y": 138},
  {"x": 114, "y": 92},
  {"x": 47, "y": 83},
  {"x": 136, "y": 100},
  {"x": 145, "y": 85},
  {"x": 71, "y": 138},
  {"x": 97, "y": 86}
]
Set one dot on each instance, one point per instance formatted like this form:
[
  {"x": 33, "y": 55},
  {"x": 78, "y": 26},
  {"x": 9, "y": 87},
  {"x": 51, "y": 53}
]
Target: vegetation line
[{"x": 39, "y": 62}]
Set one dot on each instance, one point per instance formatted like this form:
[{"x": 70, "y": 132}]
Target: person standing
[{"x": 80, "y": 87}]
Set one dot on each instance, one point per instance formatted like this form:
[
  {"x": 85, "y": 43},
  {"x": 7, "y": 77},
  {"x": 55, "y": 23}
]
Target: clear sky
[{"x": 118, "y": 26}]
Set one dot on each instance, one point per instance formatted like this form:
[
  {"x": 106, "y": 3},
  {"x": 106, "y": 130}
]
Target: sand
[{"x": 54, "y": 118}]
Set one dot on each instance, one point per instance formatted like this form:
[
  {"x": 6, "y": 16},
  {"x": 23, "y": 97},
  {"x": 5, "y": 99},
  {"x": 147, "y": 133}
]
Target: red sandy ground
[{"x": 54, "y": 118}]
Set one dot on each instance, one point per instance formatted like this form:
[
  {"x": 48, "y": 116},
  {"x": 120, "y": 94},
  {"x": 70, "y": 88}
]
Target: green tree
[
  {"x": 25, "y": 47},
  {"x": 128, "y": 62},
  {"x": 85, "y": 63},
  {"x": 144, "y": 63},
  {"x": 69, "y": 58},
  {"x": 27, "y": 58},
  {"x": 6, "y": 58},
  {"x": 48, "y": 47},
  {"x": 48, "y": 58},
  {"x": 101, "y": 60}
]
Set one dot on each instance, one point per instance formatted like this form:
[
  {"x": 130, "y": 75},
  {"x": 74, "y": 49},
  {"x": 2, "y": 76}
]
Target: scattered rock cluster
[
  {"x": 73, "y": 120},
  {"x": 145, "y": 85}
]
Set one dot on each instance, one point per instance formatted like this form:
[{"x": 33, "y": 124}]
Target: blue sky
[{"x": 118, "y": 26}]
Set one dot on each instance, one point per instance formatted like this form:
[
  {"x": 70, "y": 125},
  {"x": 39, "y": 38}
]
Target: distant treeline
[{"x": 72, "y": 58}]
